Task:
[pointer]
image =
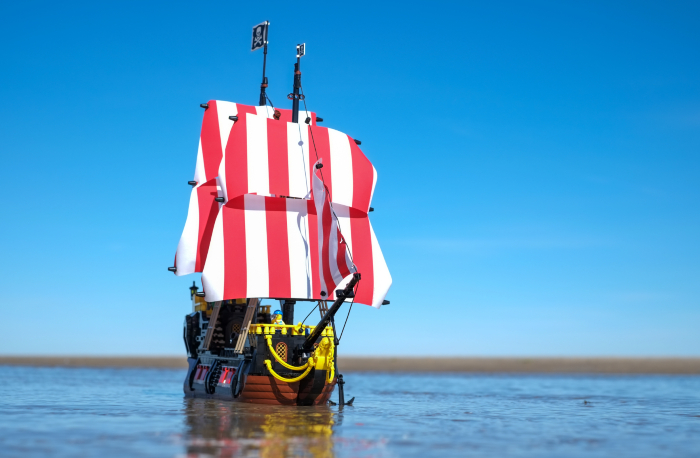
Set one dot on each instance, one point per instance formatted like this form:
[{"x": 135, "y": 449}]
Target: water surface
[{"x": 136, "y": 412}]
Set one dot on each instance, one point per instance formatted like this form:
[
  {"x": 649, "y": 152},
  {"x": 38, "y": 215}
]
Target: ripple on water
[{"x": 136, "y": 412}]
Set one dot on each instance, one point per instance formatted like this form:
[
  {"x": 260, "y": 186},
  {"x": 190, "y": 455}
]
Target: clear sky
[{"x": 539, "y": 166}]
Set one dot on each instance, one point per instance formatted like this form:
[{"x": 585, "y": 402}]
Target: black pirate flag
[{"x": 259, "y": 35}]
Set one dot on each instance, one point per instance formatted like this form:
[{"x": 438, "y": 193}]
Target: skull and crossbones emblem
[{"x": 258, "y": 39}]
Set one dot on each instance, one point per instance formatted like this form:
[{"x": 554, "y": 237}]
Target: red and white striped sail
[
  {"x": 270, "y": 240},
  {"x": 268, "y": 247},
  {"x": 274, "y": 158},
  {"x": 201, "y": 215},
  {"x": 335, "y": 262},
  {"x": 216, "y": 127}
]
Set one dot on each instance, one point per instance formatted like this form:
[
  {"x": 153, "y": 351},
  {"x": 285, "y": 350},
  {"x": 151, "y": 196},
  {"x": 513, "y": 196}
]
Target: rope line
[
  {"x": 328, "y": 194},
  {"x": 357, "y": 288},
  {"x": 312, "y": 311}
]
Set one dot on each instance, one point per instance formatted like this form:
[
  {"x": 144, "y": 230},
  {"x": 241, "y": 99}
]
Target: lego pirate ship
[{"x": 278, "y": 213}]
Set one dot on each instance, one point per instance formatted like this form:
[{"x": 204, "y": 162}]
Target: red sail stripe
[
  {"x": 235, "y": 270},
  {"x": 211, "y": 141},
  {"x": 362, "y": 254},
  {"x": 278, "y": 247},
  {"x": 208, "y": 209},
  {"x": 323, "y": 148},
  {"x": 342, "y": 263},
  {"x": 277, "y": 157},
  {"x": 327, "y": 222},
  {"x": 237, "y": 159},
  {"x": 243, "y": 109},
  {"x": 363, "y": 177},
  {"x": 313, "y": 250}
]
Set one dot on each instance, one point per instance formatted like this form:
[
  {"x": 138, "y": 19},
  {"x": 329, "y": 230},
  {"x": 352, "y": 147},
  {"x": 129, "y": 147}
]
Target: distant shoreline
[{"x": 488, "y": 365}]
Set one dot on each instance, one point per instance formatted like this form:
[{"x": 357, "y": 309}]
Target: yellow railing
[{"x": 285, "y": 329}]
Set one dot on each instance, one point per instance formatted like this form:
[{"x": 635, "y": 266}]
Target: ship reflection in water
[
  {"x": 224, "y": 429},
  {"x": 139, "y": 413}
]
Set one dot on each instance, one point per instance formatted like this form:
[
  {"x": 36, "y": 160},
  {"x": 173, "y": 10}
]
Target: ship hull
[{"x": 314, "y": 389}]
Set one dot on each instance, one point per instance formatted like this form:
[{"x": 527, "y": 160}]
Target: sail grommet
[
  {"x": 192, "y": 183},
  {"x": 233, "y": 118},
  {"x": 219, "y": 199},
  {"x": 172, "y": 269},
  {"x": 204, "y": 105},
  {"x": 319, "y": 166},
  {"x": 307, "y": 120},
  {"x": 358, "y": 142}
]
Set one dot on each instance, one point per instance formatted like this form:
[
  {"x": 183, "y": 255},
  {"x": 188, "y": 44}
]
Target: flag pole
[{"x": 263, "y": 98}]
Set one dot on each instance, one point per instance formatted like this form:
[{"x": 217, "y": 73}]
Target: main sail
[{"x": 253, "y": 229}]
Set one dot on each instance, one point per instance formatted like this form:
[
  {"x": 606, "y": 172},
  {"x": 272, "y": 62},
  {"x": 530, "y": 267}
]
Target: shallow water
[{"x": 135, "y": 412}]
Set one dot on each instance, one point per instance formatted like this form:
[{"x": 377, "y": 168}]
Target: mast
[
  {"x": 301, "y": 49},
  {"x": 263, "y": 98},
  {"x": 260, "y": 41}
]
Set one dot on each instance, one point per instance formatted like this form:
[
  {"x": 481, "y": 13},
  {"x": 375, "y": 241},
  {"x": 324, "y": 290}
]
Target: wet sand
[{"x": 581, "y": 365}]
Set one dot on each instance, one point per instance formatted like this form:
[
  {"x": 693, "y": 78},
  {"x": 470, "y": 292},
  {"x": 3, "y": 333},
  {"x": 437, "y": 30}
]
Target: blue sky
[{"x": 538, "y": 163}]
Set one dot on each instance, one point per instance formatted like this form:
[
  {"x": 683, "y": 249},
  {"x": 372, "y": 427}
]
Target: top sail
[
  {"x": 216, "y": 128},
  {"x": 275, "y": 158}
]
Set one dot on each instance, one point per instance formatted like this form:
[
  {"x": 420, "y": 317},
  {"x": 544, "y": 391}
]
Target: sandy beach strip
[{"x": 520, "y": 365}]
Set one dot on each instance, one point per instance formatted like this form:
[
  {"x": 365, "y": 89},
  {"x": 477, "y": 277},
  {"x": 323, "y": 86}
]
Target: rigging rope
[
  {"x": 312, "y": 310},
  {"x": 357, "y": 288},
  {"x": 328, "y": 194}
]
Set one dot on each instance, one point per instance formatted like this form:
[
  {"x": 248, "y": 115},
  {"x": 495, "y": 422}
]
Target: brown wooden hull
[
  {"x": 262, "y": 389},
  {"x": 266, "y": 389}
]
